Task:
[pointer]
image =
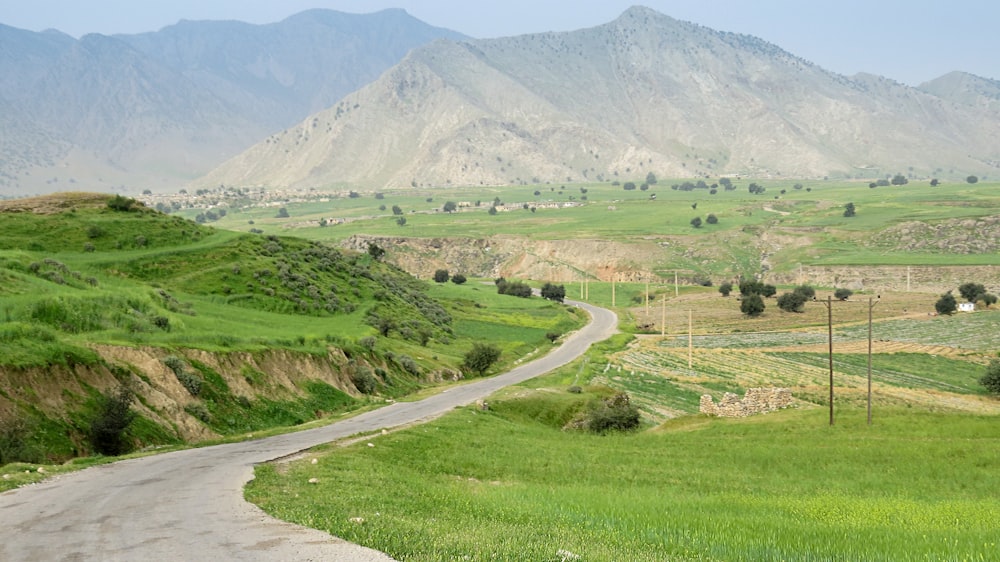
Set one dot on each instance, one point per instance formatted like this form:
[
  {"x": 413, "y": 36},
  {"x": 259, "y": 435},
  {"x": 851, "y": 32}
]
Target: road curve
[{"x": 188, "y": 505}]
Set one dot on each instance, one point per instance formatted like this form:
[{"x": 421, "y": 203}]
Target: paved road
[{"x": 188, "y": 505}]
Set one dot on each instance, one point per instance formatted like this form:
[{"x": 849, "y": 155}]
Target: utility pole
[
  {"x": 829, "y": 324},
  {"x": 871, "y": 305},
  {"x": 613, "y": 288},
  {"x": 676, "y": 290},
  {"x": 690, "y": 339},
  {"x": 647, "y": 298},
  {"x": 663, "y": 317}
]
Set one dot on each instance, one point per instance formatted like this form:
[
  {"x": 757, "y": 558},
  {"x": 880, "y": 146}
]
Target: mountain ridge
[
  {"x": 155, "y": 110},
  {"x": 642, "y": 93}
]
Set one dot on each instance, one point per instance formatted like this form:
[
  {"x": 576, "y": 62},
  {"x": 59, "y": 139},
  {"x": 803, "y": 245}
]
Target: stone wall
[{"x": 756, "y": 401}]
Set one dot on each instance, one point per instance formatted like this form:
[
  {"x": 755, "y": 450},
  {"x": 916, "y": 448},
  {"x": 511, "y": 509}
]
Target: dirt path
[{"x": 188, "y": 505}]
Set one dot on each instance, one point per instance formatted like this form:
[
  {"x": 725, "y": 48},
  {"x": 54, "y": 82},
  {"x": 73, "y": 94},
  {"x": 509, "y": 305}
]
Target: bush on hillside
[
  {"x": 946, "y": 304},
  {"x": 481, "y": 357},
  {"x": 109, "y": 430},
  {"x": 752, "y": 305},
  {"x": 615, "y": 413}
]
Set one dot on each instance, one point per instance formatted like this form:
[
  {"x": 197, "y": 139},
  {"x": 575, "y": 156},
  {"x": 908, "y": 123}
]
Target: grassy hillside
[
  {"x": 790, "y": 228},
  {"x": 218, "y": 332}
]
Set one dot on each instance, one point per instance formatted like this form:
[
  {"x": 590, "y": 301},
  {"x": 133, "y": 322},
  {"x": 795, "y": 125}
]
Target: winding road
[{"x": 188, "y": 505}]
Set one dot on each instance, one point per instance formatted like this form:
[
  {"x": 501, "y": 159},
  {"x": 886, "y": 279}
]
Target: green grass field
[{"x": 493, "y": 486}]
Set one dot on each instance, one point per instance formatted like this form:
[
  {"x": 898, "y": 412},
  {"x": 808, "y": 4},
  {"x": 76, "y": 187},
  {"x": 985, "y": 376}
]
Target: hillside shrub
[
  {"x": 554, "y": 292},
  {"x": 198, "y": 411},
  {"x": 109, "y": 430},
  {"x": 364, "y": 379},
  {"x": 481, "y": 357},
  {"x": 842, "y": 294},
  {"x": 14, "y": 441},
  {"x": 458, "y": 279},
  {"x": 615, "y": 413}
]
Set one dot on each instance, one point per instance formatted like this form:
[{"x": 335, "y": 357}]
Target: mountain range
[
  {"x": 155, "y": 110},
  {"x": 383, "y": 100}
]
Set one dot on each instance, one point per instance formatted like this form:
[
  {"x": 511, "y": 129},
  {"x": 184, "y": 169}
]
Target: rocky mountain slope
[
  {"x": 642, "y": 93},
  {"x": 157, "y": 109}
]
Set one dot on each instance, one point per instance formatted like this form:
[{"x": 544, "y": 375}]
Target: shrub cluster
[{"x": 513, "y": 288}]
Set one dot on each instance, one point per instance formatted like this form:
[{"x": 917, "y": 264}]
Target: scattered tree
[
  {"x": 651, "y": 178},
  {"x": 726, "y": 288},
  {"x": 121, "y": 203},
  {"x": 481, "y": 357},
  {"x": 492, "y": 211},
  {"x": 935, "y": 182},
  {"x": 401, "y": 221},
  {"x": 806, "y": 291},
  {"x": 946, "y": 304},
  {"x": 458, "y": 279},
  {"x": 449, "y": 207},
  {"x": 629, "y": 185},
  {"x": 989, "y": 299},
  {"x": 899, "y": 179},
  {"x": 972, "y": 292},
  {"x": 282, "y": 213},
  {"x": 553, "y": 292},
  {"x": 991, "y": 380},
  {"x": 792, "y": 302},
  {"x": 712, "y": 219},
  {"x": 849, "y": 210},
  {"x": 752, "y": 305},
  {"x": 842, "y": 294},
  {"x": 972, "y": 179},
  {"x": 397, "y": 210},
  {"x": 441, "y": 276},
  {"x": 756, "y": 189},
  {"x": 696, "y": 222}
]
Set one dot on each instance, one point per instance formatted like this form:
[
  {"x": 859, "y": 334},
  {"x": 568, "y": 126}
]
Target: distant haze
[{"x": 910, "y": 41}]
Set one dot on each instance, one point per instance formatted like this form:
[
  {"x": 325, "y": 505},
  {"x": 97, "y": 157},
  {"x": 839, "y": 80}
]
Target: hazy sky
[{"x": 908, "y": 40}]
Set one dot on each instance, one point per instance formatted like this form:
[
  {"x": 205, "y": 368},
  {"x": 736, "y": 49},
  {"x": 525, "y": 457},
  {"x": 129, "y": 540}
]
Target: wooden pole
[
  {"x": 613, "y": 289},
  {"x": 829, "y": 316},
  {"x": 663, "y": 317},
  {"x": 871, "y": 305},
  {"x": 647, "y": 298},
  {"x": 690, "y": 339},
  {"x": 676, "y": 290}
]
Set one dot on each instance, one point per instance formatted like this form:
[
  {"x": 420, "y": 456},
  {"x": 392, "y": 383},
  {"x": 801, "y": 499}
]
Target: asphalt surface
[{"x": 188, "y": 505}]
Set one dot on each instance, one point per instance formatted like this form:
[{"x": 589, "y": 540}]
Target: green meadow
[{"x": 510, "y": 484}]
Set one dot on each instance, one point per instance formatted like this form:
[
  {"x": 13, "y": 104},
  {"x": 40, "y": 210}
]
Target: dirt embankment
[
  {"x": 56, "y": 392},
  {"x": 565, "y": 261}
]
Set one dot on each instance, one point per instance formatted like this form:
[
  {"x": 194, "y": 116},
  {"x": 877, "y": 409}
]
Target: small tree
[
  {"x": 615, "y": 413},
  {"x": 712, "y": 219},
  {"x": 401, "y": 221},
  {"x": 458, "y": 279},
  {"x": 696, "y": 222},
  {"x": 441, "y": 276},
  {"x": 899, "y": 179},
  {"x": 849, "y": 210},
  {"x": 449, "y": 207},
  {"x": 492, "y": 211},
  {"x": 726, "y": 288},
  {"x": 989, "y": 299},
  {"x": 972, "y": 179},
  {"x": 935, "y": 182},
  {"x": 752, "y": 305},
  {"x": 553, "y": 292},
  {"x": 651, "y": 178},
  {"x": 121, "y": 203},
  {"x": 946, "y": 304},
  {"x": 991, "y": 380},
  {"x": 397, "y": 210},
  {"x": 481, "y": 357},
  {"x": 768, "y": 290},
  {"x": 282, "y": 213},
  {"x": 807, "y": 292},
  {"x": 629, "y": 186},
  {"x": 842, "y": 294}
]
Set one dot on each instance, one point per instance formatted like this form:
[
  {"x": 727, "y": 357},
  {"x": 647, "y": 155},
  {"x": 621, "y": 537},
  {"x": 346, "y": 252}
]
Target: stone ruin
[{"x": 756, "y": 401}]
